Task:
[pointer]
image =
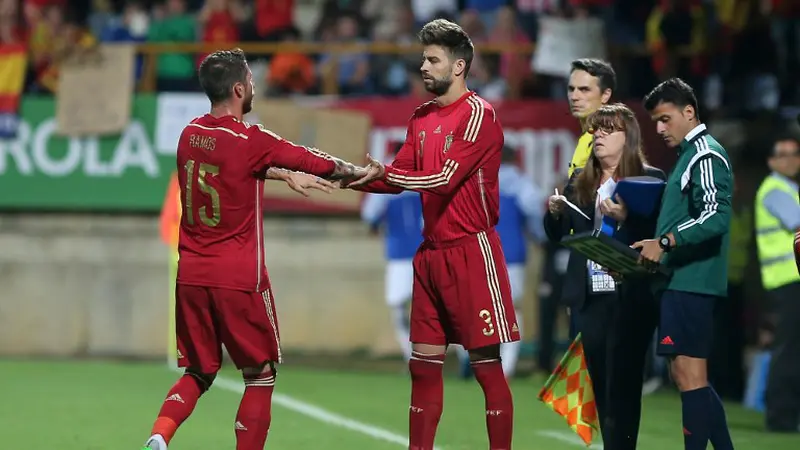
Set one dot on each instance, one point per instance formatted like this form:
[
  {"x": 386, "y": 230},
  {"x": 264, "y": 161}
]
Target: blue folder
[{"x": 642, "y": 195}]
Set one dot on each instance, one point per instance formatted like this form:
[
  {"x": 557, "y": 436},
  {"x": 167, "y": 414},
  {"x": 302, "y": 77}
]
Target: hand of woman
[{"x": 556, "y": 204}]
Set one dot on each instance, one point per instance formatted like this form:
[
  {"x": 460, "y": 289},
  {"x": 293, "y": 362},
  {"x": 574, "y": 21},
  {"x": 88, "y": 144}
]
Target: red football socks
[
  {"x": 255, "y": 412},
  {"x": 499, "y": 404},
  {"x": 177, "y": 407},
  {"x": 427, "y": 397}
]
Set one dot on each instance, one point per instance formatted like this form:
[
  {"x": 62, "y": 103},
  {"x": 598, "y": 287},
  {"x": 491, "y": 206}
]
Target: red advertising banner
[{"x": 542, "y": 132}]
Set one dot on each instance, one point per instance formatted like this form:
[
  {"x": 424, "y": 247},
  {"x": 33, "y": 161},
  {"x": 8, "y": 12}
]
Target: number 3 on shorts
[{"x": 487, "y": 318}]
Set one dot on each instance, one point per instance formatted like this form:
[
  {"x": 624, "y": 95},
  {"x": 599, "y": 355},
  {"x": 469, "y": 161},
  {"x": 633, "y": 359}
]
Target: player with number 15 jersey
[{"x": 223, "y": 294}]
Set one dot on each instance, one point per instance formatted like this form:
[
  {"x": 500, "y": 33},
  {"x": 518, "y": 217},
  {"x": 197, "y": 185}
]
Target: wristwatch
[{"x": 665, "y": 244}]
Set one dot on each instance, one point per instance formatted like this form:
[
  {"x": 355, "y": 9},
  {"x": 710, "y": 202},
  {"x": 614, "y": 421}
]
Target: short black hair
[
  {"x": 602, "y": 70},
  {"x": 787, "y": 137},
  {"x": 675, "y": 91},
  {"x": 219, "y": 71},
  {"x": 452, "y": 37}
]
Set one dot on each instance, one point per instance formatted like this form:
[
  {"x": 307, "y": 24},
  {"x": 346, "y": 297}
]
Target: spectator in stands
[
  {"x": 351, "y": 70},
  {"x": 132, "y": 26},
  {"x": 528, "y": 12},
  {"x": 514, "y": 67},
  {"x": 786, "y": 34},
  {"x": 11, "y": 29},
  {"x": 270, "y": 19},
  {"x": 70, "y": 38},
  {"x": 290, "y": 72},
  {"x": 427, "y": 10},
  {"x": 471, "y": 22},
  {"x": 34, "y": 10},
  {"x": 492, "y": 86},
  {"x": 389, "y": 70},
  {"x": 220, "y": 21},
  {"x": 46, "y": 24},
  {"x": 385, "y": 16},
  {"x": 486, "y": 9},
  {"x": 675, "y": 26},
  {"x": 175, "y": 71}
]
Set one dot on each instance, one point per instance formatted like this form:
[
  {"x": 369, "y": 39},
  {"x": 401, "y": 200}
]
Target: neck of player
[
  {"x": 457, "y": 89},
  {"x": 225, "y": 109}
]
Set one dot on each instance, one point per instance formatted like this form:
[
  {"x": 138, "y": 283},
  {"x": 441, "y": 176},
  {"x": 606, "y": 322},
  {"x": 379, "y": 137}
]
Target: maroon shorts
[
  {"x": 206, "y": 318},
  {"x": 462, "y": 294}
]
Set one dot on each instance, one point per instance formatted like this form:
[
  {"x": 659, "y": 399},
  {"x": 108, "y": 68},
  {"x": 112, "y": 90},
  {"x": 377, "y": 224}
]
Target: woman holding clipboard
[{"x": 617, "y": 320}]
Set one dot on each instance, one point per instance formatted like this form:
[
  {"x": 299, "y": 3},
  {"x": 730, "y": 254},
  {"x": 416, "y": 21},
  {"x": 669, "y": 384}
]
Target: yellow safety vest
[
  {"x": 775, "y": 243},
  {"x": 582, "y": 152}
]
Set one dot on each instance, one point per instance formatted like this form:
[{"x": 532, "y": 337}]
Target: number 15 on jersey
[{"x": 200, "y": 176}]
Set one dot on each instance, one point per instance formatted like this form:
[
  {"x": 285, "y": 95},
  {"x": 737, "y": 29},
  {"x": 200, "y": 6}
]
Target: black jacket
[{"x": 635, "y": 228}]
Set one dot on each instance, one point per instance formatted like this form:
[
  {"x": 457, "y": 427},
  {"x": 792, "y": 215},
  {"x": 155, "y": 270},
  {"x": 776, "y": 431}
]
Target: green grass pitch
[{"x": 101, "y": 405}]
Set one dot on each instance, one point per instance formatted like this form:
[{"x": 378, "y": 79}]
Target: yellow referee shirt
[{"x": 582, "y": 152}]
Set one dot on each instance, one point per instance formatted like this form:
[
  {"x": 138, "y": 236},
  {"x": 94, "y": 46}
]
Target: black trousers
[
  {"x": 783, "y": 385},
  {"x": 617, "y": 329}
]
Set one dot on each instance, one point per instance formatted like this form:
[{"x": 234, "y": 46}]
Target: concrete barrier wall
[{"x": 98, "y": 285}]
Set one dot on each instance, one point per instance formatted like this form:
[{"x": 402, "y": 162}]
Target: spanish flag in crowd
[
  {"x": 13, "y": 63},
  {"x": 569, "y": 393}
]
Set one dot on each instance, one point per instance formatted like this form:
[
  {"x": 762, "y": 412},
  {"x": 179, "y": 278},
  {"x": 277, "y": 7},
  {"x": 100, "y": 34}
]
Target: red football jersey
[
  {"x": 452, "y": 156},
  {"x": 221, "y": 164}
]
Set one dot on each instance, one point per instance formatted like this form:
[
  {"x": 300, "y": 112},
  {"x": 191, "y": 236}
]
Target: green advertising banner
[{"x": 42, "y": 171}]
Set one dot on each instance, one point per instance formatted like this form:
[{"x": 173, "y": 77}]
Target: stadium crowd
[{"x": 703, "y": 41}]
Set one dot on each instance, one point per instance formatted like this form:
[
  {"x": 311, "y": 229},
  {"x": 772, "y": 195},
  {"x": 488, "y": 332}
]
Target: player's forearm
[
  {"x": 439, "y": 182},
  {"x": 342, "y": 170},
  {"x": 378, "y": 187},
  {"x": 276, "y": 173},
  {"x": 303, "y": 159}
]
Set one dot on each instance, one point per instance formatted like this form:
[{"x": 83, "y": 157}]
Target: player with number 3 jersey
[{"x": 461, "y": 292}]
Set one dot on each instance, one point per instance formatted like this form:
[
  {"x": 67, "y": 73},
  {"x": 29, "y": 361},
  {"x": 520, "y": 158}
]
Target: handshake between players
[{"x": 346, "y": 175}]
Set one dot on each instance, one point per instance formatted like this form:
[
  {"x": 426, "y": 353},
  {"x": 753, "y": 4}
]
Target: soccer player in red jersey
[
  {"x": 461, "y": 291},
  {"x": 223, "y": 293}
]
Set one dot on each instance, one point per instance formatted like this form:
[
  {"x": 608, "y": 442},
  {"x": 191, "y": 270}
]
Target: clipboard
[
  {"x": 641, "y": 195},
  {"x": 610, "y": 253}
]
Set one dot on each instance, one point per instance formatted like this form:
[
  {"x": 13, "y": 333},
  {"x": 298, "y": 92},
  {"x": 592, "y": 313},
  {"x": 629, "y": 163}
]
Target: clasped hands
[
  {"x": 374, "y": 170},
  {"x": 346, "y": 175}
]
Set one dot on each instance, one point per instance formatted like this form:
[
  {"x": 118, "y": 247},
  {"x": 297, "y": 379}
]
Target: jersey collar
[{"x": 696, "y": 133}]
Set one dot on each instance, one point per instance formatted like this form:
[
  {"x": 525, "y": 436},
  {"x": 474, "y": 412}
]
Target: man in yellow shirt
[{"x": 591, "y": 83}]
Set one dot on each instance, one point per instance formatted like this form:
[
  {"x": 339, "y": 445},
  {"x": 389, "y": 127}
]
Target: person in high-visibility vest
[
  {"x": 777, "y": 211},
  {"x": 591, "y": 83}
]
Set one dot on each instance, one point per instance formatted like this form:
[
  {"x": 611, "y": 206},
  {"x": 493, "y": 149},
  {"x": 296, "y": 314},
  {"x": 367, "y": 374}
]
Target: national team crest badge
[{"x": 448, "y": 141}]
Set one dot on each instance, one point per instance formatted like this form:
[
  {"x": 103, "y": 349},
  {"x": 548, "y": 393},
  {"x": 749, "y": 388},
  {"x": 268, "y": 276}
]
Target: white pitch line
[
  {"x": 567, "y": 438},
  {"x": 315, "y": 412}
]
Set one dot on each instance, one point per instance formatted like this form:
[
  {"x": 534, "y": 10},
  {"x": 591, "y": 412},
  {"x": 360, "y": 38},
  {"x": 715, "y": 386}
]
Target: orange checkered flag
[{"x": 570, "y": 394}]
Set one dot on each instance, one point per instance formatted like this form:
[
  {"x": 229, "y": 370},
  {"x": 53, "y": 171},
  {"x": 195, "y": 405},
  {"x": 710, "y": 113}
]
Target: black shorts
[{"x": 686, "y": 324}]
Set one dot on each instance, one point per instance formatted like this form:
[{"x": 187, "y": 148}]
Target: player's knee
[
  {"x": 204, "y": 380},
  {"x": 260, "y": 376},
  {"x": 425, "y": 365},
  {"x": 490, "y": 353},
  {"x": 688, "y": 373}
]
